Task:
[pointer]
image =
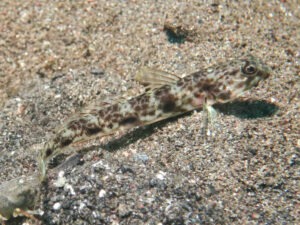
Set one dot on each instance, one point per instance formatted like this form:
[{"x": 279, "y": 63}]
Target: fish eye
[{"x": 249, "y": 69}]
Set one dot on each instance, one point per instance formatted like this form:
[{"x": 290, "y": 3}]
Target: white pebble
[
  {"x": 57, "y": 206},
  {"x": 161, "y": 175},
  {"x": 61, "y": 180},
  {"x": 81, "y": 206},
  {"x": 102, "y": 193},
  {"x": 69, "y": 188}
]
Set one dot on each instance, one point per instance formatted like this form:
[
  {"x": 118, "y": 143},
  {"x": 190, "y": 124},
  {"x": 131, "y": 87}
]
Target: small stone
[
  {"x": 255, "y": 216},
  {"x": 123, "y": 210},
  {"x": 142, "y": 157},
  {"x": 294, "y": 160},
  {"x": 81, "y": 206},
  {"x": 97, "y": 71},
  {"x": 102, "y": 193},
  {"x": 69, "y": 188},
  {"x": 57, "y": 206},
  {"x": 161, "y": 175},
  {"x": 61, "y": 180}
]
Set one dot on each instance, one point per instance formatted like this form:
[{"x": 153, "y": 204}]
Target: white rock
[
  {"x": 102, "y": 193},
  {"x": 61, "y": 180},
  {"x": 161, "y": 175},
  {"x": 57, "y": 206},
  {"x": 69, "y": 188}
]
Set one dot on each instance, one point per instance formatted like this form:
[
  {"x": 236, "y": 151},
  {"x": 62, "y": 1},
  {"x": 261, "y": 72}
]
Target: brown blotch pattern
[
  {"x": 107, "y": 116},
  {"x": 144, "y": 113},
  {"x": 48, "y": 152},
  {"x": 224, "y": 95},
  {"x": 93, "y": 131},
  {"x": 190, "y": 87},
  {"x": 151, "y": 113},
  {"x": 74, "y": 125},
  {"x": 161, "y": 91},
  {"x": 115, "y": 118},
  {"x": 92, "y": 128},
  {"x": 180, "y": 83},
  {"x": 208, "y": 87},
  {"x": 114, "y": 108},
  {"x": 197, "y": 76},
  {"x": 129, "y": 120},
  {"x": 198, "y": 94},
  {"x": 66, "y": 142},
  {"x": 137, "y": 107},
  {"x": 167, "y": 102},
  {"x": 240, "y": 85},
  {"x": 101, "y": 113},
  {"x": 140, "y": 102},
  {"x": 187, "y": 78},
  {"x": 234, "y": 72}
]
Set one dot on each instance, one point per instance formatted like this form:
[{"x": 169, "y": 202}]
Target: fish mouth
[
  {"x": 267, "y": 73},
  {"x": 264, "y": 70},
  {"x": 256, "y": 81}
]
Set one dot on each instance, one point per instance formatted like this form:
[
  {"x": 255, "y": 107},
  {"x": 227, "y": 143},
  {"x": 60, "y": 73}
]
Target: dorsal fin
[{"x": 155, "y": 78}]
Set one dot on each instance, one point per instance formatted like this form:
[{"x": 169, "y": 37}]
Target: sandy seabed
[{"x": 57, "y": 57}]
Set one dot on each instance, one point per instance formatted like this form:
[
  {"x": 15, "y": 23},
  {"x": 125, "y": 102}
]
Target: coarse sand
[{"x": 57, "y": 57}]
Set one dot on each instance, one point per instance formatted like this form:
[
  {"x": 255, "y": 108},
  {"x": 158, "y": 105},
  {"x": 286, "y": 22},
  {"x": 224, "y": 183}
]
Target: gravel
[{"x": 57, "y": 57}]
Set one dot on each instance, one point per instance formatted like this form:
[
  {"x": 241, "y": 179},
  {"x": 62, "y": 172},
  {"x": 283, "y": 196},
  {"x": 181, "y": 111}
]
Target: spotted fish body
[{"x": 169, "y": 96}]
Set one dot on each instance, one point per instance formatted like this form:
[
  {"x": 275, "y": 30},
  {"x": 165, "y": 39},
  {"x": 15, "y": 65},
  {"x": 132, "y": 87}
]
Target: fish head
[
  {"x": 238, "y": 76},
  {"x": 252, "y": 71}
]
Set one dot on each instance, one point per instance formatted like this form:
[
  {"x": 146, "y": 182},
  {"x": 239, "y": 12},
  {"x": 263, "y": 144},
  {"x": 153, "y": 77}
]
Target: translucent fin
[
  {"x": 212, "y": 113},
  {"x": 155, "y": 78},
  {"x": 209, "y": 115}
]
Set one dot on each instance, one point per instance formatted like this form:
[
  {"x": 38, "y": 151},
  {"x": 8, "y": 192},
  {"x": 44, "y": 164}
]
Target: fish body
[{"x": 168, "y": 96}]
